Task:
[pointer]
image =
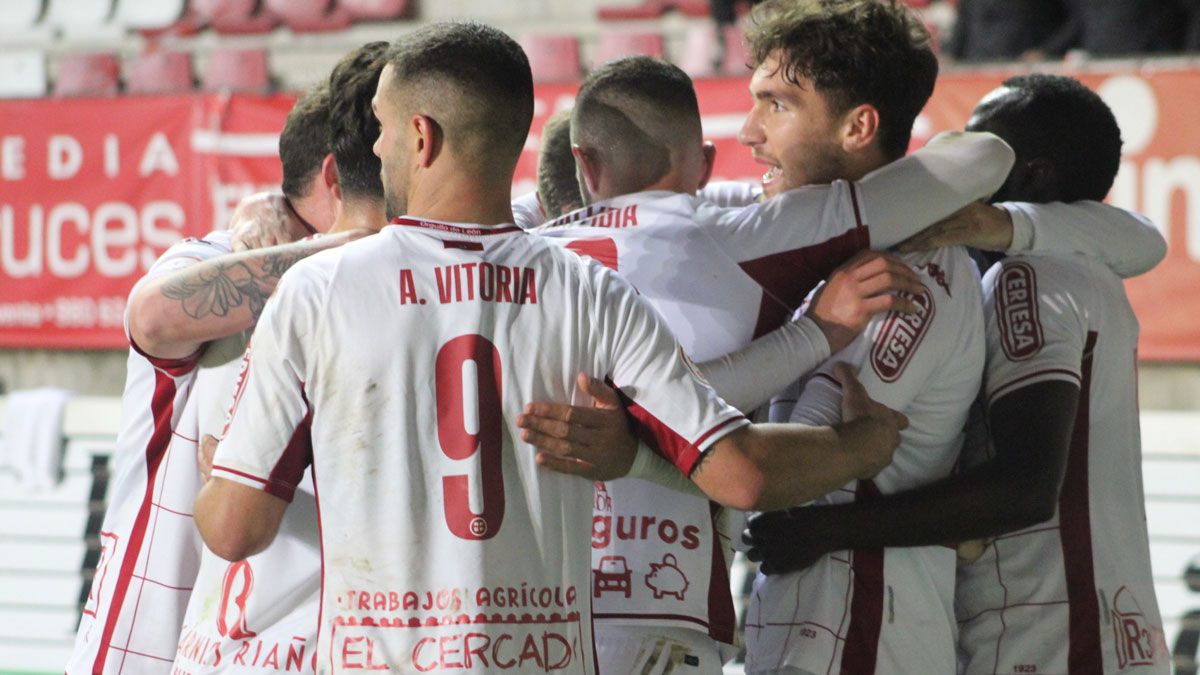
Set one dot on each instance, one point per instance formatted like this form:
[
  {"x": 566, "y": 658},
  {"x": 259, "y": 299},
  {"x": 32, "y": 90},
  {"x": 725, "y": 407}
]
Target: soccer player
[
  {"x": 262, "y": 611},
  {"x": 720, "y": 277},
  {"x": 397, "y": 367},
  {"x": 197, "y": 292},
  {"x": 1064, "y": 466}
]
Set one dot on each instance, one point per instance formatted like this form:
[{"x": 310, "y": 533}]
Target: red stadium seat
[
  {"x": 237, "y": 70},
  {"x": 368, "y": 10},
  {"x": 234, "y": 16},
  {"x": 159, "y": 73},
  {"x": 615, "y": 43},
  {"x": 305, "y": 16},
  {"x": 553, "y": 58},
  {"x": 87, "y": 75},
  {"x": 736, "y": 60}
]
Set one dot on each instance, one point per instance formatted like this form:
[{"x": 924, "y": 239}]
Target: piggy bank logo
[{"x": 666, "y": 578}]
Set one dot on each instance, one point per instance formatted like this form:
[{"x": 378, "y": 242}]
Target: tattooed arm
[{"x": 173, "y": 315}]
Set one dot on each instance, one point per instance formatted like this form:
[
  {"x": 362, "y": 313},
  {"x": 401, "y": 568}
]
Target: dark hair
[
  {"x": 854, "y": 52},
  {"x": 474, "y": 80},
  {"x": 557, "y": 186},
  {"x": 635, "y": 110},
  {"x": 1060, "y": 119},
  {"x": 353, "y": 128},
  {"x": 304, "y": 141}
]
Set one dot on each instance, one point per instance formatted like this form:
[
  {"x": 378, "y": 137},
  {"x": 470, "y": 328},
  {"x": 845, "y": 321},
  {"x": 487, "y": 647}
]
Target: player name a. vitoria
[{"x": 471, "y": 282}]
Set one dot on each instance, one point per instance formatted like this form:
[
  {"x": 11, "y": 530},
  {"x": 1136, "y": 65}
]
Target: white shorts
[{"x": 634, "y": 650}]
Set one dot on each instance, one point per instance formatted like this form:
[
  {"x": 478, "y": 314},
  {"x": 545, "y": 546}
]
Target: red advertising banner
[{"x": 91, "y": 191}]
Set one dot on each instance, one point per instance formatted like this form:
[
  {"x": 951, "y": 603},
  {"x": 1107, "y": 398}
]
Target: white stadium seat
[
  {"x": 20, "y": 15},
  {"x": 78, "y": 14},
  {"x": 22, "y": 74},
  {"x": 148, "y": 14}
]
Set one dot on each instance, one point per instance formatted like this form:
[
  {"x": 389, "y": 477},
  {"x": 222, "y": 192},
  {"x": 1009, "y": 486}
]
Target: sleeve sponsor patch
[
  {"x": 900, "y": 337},
  {"x": 1017, "y": 311}
]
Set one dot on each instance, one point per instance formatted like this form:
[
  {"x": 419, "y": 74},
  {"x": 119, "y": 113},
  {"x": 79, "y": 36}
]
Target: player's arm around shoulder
[
  {"x": 173, "y": 314},
  {"x": 267, "y": 444},
  {"x": 773, "y": 466}
]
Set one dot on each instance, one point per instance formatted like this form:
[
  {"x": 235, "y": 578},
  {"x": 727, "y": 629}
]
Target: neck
[
  {"x": 862, "y": 163},
  {"x": 357, "y": 214},
  {"x": 315, "y": 210},
  {"x": 460, "y": 197}
]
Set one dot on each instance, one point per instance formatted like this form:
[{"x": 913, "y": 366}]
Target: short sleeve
[
  {"x": 267, "y": 443},
  {"x": 181, "y": 255},
  {"x": 674, "y": 411},
  {"x": 898, "y": 354},
  {"x": 1036, "y": 328}
]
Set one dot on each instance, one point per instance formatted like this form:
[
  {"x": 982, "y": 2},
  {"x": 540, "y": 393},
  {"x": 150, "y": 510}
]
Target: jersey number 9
[{"x": 469, "y": 423}]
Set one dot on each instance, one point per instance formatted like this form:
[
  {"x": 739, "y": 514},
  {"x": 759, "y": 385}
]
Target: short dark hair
[
  {"x": 854, "y": 52},
  {"x": 557, "y": 185},
  {"x": 353, "y": 127},
  {"x": 304, "y": 141},
  {"x": 637, "y": 110},
  {"x": 1060, "y": 119},
  {"x": 474, "y": 80}
]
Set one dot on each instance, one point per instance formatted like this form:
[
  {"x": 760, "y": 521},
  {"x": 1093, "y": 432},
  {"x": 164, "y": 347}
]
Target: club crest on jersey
[
  {"x": 900, "y": 337},
  {"x": 1138, "y": 643},
  {"x": 1017, "y": 311}
]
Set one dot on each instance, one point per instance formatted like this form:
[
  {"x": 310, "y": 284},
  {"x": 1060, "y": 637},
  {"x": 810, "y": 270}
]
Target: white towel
[{"x": 33, "y": 435}]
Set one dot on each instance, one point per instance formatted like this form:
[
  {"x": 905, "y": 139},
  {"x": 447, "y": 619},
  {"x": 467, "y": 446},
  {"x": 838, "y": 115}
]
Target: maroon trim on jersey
[
  {"x": 861, "y": 649},
  {"x": 722, "y": 619},
  {"x": 173, "y": 367},
  {"x": 463, "y": 245},
  {"x": 662, "y": 438},
  {"x": 296, "y": 457},
  {"x": 162, "y": 407},
  {"x": 788, "y": 277},
  {"x": 1075, "y": 530},
  {"x": 648, "y": 615},
  {"x": 858, "y": 220},
  {"x": 471, "y": 231}
]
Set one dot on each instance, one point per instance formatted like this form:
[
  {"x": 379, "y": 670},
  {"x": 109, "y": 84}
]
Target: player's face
[
  {"x": 389, "y": 147},
  {"x": 1016, "y": 186},
  {"x": 792, "y": 131}
]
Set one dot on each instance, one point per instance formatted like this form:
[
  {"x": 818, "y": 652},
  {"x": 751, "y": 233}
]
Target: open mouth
[{"x": 771, "y": 175}]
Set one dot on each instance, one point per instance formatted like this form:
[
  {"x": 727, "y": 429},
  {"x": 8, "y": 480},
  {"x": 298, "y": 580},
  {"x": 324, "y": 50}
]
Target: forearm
[
  {"x": 228, "y": 522},
  {"x": 749, "y": 377},
  {"x": 650, "y": 466},
  {"x": 803, "y": 463},
  {"x": 953, "y": 170},
  {"x": 983, "y": 502},
  {"x": 173, "y": 315},
  {"x": 1128, "y": 243}
]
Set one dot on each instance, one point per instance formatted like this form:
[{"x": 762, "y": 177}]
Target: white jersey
[
  {"x": 1073, "y": 594},
  {"x": 400, "y": 363},
  {"x": 258, "y": 615},
  {"x": 722, "y": 277},
  {"x": 885, "y": 610},
  {"x": 149, "y": 546}
]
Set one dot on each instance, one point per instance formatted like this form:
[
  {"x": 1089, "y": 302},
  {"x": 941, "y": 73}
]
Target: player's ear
[
  {"x": 329, "y": 175},
  {"x": 428, "y": 139},
  {"x": 588, "y": 162},
  {"x": 710, "y": 161},
  {"x": 1041, "y": 177},
  {"x": 860, "y": 127}
]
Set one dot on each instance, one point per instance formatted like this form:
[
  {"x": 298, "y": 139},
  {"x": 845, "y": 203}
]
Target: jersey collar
[{"x": 470, "y": 230}]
